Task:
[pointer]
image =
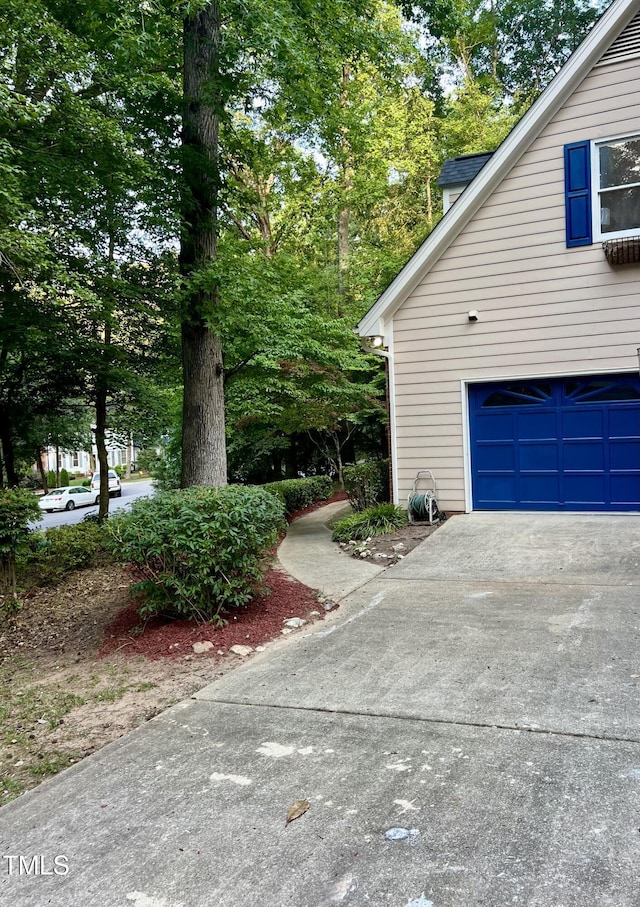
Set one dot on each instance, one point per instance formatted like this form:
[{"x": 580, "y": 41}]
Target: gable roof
[
  {"x": 606, "y": 30},
  {"x": 460, "y": 170}
]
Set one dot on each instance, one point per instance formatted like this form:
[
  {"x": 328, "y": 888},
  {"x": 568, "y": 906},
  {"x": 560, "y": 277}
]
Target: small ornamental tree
[{"x": 18, "y": 507}]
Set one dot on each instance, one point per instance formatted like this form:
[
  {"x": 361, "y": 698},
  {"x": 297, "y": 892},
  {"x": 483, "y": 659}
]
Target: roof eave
[{"x": 504, "y": 158}]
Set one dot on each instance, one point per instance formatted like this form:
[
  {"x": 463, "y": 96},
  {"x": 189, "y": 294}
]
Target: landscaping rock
[
  {"x": 200, "y": 647},
  {"x": 241, "y": 650}
]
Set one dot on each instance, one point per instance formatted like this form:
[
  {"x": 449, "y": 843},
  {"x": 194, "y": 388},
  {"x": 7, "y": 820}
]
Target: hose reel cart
[{"x": 423, "y": 504}]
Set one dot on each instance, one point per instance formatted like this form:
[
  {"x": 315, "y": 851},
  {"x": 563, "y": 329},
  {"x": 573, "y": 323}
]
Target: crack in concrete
[{"x": 525, "y": 729}]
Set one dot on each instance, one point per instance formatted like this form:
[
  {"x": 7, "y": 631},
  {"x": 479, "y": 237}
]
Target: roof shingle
[{"x": 457, "y": 171}]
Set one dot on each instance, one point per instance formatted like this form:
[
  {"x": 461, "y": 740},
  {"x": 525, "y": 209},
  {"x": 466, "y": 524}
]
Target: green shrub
[
  {"x": 367, "y": 484},
  {"x": 296, "y": 494},
  {"x": 64, "y": 477},
  {"x": 51, "y": 479},
  {"x": 371, "y": 522},
  {"x": 201, "y": 551},
  {"x": 54, "y": 553},
  {"x": 18, "y": 508},
  {"x": 86, "y": 483}
]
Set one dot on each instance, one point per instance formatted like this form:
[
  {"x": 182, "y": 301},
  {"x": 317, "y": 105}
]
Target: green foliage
[
  {"x": 201, "y": 551},
  {"x": 327, "y": 111},
  {"x": 51, "y": 479},
  {"x": 56, "y": 552},
  {"x": 18, "y": 507},
  {"x": 296, "y": 494},
  {"x": 166, "y": 466},
  {"x": 367, "y": 483},
  {"x": 64, "y": 476},
  {"x": 370, "y": 522}
]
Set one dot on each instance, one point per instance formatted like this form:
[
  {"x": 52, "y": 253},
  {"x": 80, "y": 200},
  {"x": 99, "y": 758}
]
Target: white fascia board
[{"x": 577, "y": 67}]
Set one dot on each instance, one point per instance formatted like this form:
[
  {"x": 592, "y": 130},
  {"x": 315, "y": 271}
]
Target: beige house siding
[{"x": 543, "y": 309}]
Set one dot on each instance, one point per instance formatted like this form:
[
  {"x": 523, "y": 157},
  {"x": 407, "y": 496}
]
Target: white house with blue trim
[{"x": 513, "y": 332}]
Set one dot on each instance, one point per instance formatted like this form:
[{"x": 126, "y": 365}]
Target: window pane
[
  {"x": 620, "y": 163},
  {"x": 620, "y": 210},
  {"x": 520, "y": 395},
  {"x": 596, "y": 391}
]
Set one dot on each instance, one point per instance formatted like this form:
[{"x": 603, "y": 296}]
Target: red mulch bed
[
  {"x": 258, "y": 622},
  {"x": 261, "y": 620}
]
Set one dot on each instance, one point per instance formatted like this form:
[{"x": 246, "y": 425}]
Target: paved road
[{"x": 130, "y": 491}]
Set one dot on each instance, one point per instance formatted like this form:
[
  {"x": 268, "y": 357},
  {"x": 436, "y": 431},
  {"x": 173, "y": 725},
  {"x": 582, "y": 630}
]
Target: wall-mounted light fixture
[{"x": 376, "y": 341}]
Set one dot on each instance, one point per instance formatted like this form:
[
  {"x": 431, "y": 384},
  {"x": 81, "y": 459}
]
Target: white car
[
  {"x": 114, "y": 484},
  {"x": 68, "y": 498}
]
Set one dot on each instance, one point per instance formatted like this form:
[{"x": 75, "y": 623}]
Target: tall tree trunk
[
  {"x": 102, "y": 392},
  {"x": 57, "y": 464},
  {"x": 40, "y": 454},
  {"x": 204, "y": 460},
  {"x": 8, "y": 453},
  {"x": 127, "y": 473},
  {"x": 344, "y": 214}
]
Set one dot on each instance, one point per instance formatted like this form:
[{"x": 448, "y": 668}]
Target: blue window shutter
[{"x": 577, "y": 193}]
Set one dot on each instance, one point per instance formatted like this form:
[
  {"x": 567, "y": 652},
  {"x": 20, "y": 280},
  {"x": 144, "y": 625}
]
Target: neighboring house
[
  {"x": 512, "y": 333},
  {"x": 457, "y": 173},
  {"x": 82, "y": 462}
]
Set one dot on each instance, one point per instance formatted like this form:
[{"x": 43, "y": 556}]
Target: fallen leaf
[{"x": 298, "y": 808}]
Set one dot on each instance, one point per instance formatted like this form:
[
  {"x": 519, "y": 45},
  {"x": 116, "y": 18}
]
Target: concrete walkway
[
  {"x": 465, "y": 729},
  {"x": 308, "y": 553}
]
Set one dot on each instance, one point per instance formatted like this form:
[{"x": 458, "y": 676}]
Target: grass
[
  {"x": 32, "y": 718},
  {"x": 368, "y": 523},
  {"x": 27, "y": 714}
]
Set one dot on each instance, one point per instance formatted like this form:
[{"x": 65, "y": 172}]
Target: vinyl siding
[{"x": 543, "y": 309}]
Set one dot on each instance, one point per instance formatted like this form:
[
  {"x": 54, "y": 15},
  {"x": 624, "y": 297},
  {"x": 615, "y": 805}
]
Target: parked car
[
  {"x": 115, "y": 490},
  {"x": 68, "y": 498}
]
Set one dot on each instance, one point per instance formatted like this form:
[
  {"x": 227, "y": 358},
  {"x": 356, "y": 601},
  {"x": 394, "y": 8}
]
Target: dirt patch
[{"x": 387, "y": 550}]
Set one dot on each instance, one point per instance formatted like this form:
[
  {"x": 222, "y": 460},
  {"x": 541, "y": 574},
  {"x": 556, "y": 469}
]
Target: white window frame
[{"x": 598, "y": 235}]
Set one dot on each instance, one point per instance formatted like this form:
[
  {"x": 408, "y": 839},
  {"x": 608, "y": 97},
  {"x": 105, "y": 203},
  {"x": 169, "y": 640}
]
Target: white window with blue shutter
[
  {"x": 602, "y": 189},
  {"x": 616, "y": 187},
  {"x": 577, "y": 198}
]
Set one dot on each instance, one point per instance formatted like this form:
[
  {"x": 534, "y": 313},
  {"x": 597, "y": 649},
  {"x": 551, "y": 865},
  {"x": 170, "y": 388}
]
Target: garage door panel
[
  {"x": 568, "y": 444},
  {"x": 496, "y": 456},
  {"x": 534, "y": 426},
  {"x": 496, "y": 491},
  {"x": 625, "y": 423},
  {"x": 582, "y": 423},
  {"x": 585, "y": 489},
  {"x": 579, "y": 455},
  {"x": 539, "y": 456},
  {"x": 538, "y": 489},
  {"x": 625, "y": 491},
  {"x": 624, "y": 454},
  {"x": 495, "y": 427}
]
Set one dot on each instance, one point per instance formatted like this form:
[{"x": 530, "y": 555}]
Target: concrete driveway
[{"x": 465, "y": 729}]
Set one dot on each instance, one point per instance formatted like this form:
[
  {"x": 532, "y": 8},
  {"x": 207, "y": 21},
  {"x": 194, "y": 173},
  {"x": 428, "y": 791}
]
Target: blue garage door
[{"x": 566, "y": 444}]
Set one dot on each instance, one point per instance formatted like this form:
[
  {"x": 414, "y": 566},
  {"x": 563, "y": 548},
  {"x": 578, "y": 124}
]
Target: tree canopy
[{"x": 239, "y": 180}]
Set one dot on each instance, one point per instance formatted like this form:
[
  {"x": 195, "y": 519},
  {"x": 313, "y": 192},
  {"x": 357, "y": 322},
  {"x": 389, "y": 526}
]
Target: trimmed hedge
[
  {"x": 201, "y": 551},
  {"x": 371, "y": 522},
  {"x": 296, "y": 494},
  {"x": 367, "y": 484},
  {"x": 54, "y": 553}
]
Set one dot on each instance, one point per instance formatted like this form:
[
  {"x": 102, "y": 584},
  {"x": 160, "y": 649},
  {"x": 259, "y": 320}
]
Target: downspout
[{"x": 368, "y": 346}]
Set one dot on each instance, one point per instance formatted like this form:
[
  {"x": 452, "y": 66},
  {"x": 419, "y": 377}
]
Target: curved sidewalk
[{"x": 309, "y": 555}]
